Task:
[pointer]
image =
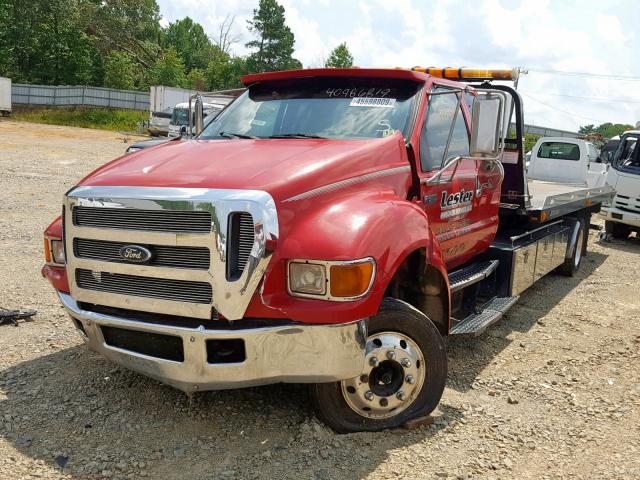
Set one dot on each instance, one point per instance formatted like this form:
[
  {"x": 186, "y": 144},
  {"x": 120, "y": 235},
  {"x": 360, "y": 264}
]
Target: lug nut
[
  {"x": 410, "y": 380},
  {"x": 406, "y": 363},
  {"x": 369, "y": 395},
  {"x": 401, "y": 396},
  {"x": 374, "y": 362},
  {"x": 391, "y": 355}
]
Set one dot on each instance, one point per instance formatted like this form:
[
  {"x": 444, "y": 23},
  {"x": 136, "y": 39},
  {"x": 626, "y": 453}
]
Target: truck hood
[{"x": 282, "y": 167}]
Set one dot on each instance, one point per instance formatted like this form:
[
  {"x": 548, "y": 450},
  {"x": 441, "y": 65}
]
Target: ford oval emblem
[{"x": 135, "y": 253}]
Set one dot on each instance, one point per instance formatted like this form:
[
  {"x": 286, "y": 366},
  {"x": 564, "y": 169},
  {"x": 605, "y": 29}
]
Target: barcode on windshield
[{"x": 372, "y": 102}]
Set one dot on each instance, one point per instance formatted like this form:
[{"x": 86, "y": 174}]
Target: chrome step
[
  {"x": 471, "y": 274},
  {"x": 488, "y": 314}
]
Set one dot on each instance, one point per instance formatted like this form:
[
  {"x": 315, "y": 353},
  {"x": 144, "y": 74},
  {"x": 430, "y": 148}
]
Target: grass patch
[{"x": 100, "y": 118}]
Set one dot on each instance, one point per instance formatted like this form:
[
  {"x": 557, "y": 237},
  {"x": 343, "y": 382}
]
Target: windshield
[
  {"x": 180, "y": 116},
  {"x": 627, "y": 156},
  {"x": 319, "y": 107}
]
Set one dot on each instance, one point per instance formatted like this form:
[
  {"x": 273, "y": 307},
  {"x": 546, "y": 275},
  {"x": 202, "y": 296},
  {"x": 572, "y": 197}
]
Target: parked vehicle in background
[
  {"x": 213, "y": 104},
  {"x": 332, "y": 227},
  {"x": 159, "y": 122},
  {"x": 134, "y": 147},
  {"x": 568, "y": 160},
  {"x": 5, "y": 96},
  {"x": 622, "y": 214},
  {"x": 607, "y": 152}
]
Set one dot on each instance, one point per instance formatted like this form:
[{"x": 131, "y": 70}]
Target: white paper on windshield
[{"x": 372, "y": 102}]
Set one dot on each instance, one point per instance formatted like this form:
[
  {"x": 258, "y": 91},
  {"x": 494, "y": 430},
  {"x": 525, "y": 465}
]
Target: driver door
[{"x": 453, "y": 200}]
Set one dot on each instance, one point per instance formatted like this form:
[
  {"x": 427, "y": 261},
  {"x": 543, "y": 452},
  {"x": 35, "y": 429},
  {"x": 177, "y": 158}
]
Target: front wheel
[{"x": 405, "y": 370}]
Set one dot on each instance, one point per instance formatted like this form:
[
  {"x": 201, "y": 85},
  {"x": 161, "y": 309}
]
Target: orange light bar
[{"x": 470, "y": 73}]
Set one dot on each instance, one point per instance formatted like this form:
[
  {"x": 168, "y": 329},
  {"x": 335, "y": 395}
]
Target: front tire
[{"x": 405, "y": 370}]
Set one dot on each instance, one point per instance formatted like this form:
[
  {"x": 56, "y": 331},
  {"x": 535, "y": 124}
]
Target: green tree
[
  {"x": 120, "y": 71},
  {"x": 44, "y": 42},
  {"x": 274, "y": 39},
  {"x": 131, "y": 26},
  {"x": 224, "y": 71},
  {"x": 168, "y": 70},
  {"x": 587, "y": 129},
  {"x": 190, "y": 42},
  {"x": 196, "y": 79},
  {"x": 340, "y": 57}
]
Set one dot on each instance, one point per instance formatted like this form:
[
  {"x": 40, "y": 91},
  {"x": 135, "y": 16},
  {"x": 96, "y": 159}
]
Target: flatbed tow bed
[{"x": 550, "y": 200}]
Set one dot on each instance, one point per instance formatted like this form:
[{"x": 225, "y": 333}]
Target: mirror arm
[{"x": 453, "y": 126}]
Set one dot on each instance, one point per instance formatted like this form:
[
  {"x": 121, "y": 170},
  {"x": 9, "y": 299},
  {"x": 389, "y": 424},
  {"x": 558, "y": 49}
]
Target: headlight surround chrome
[{"x": 360, "y": 272}]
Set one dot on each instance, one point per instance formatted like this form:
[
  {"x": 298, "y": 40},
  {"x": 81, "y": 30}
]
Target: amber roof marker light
[{"x": 470, "y": 73}]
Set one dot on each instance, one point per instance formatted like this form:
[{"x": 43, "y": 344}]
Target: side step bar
[
  {"x": 488, "y": 314},
  {"x": 471, "y": 274}
]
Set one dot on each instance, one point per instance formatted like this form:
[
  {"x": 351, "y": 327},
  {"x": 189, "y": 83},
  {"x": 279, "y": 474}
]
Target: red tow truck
[{"x": 329, "y": 227}]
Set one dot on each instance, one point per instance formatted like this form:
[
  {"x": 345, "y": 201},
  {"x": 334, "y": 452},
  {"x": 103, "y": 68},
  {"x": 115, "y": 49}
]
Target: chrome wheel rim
[
  {"x": 392, "y": 378},
  {"x": 579, "y": 241}
]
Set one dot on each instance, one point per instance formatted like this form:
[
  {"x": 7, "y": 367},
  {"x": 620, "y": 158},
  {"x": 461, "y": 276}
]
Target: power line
[
  {"x": 573, "y": 115},
  {"x": 595, "y": 99},
  {"x": 585, "y": 74}
]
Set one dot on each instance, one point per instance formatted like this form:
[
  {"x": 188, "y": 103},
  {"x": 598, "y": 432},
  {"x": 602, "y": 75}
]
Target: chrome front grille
[
  {"x": 208, "y": 248},
  {"x": 146, "y": 220},
  {"x": 163, "y": 255},
  {"x": 242, "y": 236},
  {"x": 627, "y": 204},
  {"x": 149, "y": 287}
]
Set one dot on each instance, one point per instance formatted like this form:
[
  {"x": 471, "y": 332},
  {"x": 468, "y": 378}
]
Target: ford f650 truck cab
[{"x": 330, "y": 227}]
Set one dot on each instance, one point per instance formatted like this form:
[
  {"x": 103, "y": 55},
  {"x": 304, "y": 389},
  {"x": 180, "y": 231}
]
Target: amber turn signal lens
[
  {"x": 351, "y": 280},
  {"x": 47, "y": 251}
]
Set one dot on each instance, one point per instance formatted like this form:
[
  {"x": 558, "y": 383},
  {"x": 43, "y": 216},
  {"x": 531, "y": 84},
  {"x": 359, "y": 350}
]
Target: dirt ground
[{"x": 550, "y": 392}]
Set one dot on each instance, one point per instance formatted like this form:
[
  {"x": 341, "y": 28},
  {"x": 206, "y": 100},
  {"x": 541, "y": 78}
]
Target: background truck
[
  {"x": 568, "y": 160},
  {"x": 622, "y": 214},
  {"x": 5, "y": 96},
  {"x": 330, "y": 227}
]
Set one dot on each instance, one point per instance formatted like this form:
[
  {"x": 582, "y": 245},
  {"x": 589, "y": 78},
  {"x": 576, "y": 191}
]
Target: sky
[{"x": 544, "y": 37}]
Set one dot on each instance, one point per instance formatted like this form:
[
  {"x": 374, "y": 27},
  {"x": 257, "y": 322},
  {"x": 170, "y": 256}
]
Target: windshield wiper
[
  {"x": 235, "y": 135},
  {"x": 295, "y": 135}
]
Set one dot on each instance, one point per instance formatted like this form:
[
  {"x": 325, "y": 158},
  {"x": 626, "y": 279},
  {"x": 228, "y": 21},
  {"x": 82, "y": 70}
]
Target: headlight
[
  {"x": 307, "y": 278},
  {"x": 57, "y": 251},
  {"x": 332, "y": 280},
  {"x": 54, "y": 251},
  {"x": 133, "y": 149}
]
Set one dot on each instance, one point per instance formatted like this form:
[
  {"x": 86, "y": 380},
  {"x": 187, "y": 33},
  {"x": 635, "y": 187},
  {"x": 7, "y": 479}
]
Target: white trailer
[{"x": 5, "y": 96}]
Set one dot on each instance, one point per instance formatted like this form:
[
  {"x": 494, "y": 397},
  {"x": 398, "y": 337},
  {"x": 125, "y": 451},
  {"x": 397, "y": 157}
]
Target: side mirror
[
  {"x": 183, "y": 130},
  {"x": 487, "y": 124}
]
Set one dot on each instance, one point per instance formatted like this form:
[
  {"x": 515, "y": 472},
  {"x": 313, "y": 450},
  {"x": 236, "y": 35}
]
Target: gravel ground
[{"x": 552, "y": 391}]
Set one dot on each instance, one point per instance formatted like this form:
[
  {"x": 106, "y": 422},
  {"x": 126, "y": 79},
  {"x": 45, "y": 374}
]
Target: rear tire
[
  {"x": 617, "y": 230},
  {"x": 571, "y": 265},
  {"x": 404, "y": 373}
]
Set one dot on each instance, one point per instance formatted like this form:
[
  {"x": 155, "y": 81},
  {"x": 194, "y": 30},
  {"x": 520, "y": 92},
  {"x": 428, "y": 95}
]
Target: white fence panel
[{"x": 64, "y": 96}]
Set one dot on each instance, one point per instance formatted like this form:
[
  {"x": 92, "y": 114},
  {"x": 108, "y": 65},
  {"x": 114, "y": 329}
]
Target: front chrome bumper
[{"x": 291, "y": 354}]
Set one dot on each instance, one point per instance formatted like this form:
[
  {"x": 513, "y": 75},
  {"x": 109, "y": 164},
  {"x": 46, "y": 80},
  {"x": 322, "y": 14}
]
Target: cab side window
[{"x": 441, "y": 119}]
